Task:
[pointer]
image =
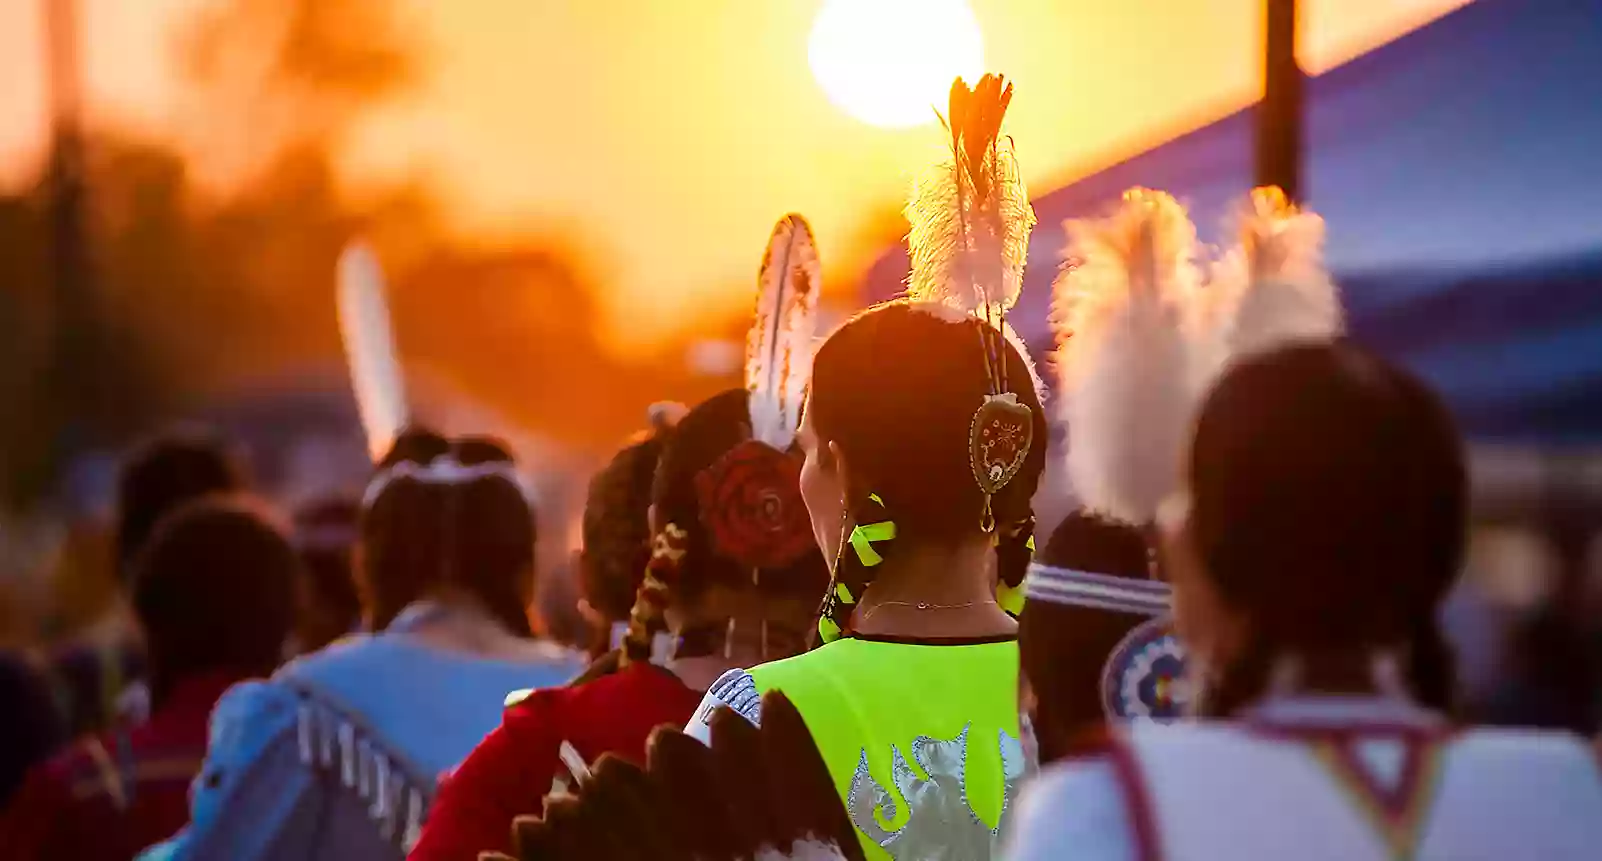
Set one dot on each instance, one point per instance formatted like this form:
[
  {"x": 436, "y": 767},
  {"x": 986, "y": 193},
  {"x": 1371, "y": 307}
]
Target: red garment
[
  {"x": 108, "y": 797},
  {"x": 512, "y": 769}
]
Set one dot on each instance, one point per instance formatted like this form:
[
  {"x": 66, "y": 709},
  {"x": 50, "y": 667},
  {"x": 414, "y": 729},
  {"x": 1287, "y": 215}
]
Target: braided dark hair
[
  {"x": 686, "y": 557},
  {"x": 1328, "y": 504},
  {"x": 401, "y": 532},
  {"x": 1062, "y": 648},
  {"x": 616, "y": 530},
  {"x": 478, "y": 536},
  {"x": 897, "y": 388},
  {"x": 493, "y": 536}
]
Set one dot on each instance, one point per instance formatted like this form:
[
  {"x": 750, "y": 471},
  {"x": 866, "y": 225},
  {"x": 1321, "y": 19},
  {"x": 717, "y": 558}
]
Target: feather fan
[
  {"x": 778, "y": 353},
  {"x": 1120, "y": 314},
  {"x": 1274, "y": 283},
  {"x": 375, "y": 373},
  {"x": 970, "y": 217}
]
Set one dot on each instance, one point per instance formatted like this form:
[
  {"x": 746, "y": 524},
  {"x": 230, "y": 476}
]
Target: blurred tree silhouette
[{"x": 214, "y": 261}]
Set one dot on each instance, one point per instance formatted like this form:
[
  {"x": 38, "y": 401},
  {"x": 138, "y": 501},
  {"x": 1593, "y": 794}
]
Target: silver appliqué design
[{"x": 930, "y": 802}]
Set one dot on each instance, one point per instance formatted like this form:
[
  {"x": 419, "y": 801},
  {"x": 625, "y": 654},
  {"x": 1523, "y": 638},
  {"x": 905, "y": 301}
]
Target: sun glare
[{"x": 890, "y": 63}]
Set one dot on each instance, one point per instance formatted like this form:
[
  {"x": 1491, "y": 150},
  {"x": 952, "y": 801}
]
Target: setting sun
[{"x": 889, "y": 63}]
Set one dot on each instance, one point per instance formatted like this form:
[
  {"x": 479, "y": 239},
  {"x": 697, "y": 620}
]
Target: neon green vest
[{"x": 909, "y": 732}]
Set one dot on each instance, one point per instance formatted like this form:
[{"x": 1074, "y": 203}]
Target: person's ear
[{"x": 840, "y": 466}]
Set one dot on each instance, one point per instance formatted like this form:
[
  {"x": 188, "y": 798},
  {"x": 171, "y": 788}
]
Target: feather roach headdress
[
  {"x": 778, "y": 351},
  {"x": 1141, "y": 339},
  {"x": 1123, "y": 359},
  {"x": 1274, "y": 283},
  {"x": 970, "y": 221},
  {"x": 375, "y": 373}
]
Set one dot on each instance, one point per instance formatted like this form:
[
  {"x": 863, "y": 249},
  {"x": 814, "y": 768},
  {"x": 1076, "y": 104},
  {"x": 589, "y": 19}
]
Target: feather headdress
[
  {"x": 1124, "y": 358},
  {"x": 364, "y": 326},
  {"x": 1274, "y": 284},
  {"x": 778, "y": 351},
  {"x": 970, "y": 216},
  {"x": 970, "y": 221},
  {"x": 1141, "y": 341}
]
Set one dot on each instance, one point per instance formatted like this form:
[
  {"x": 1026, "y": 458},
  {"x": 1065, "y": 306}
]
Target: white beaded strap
[
  {"x": 1096, "y": 591},
  {"x": 446, "y": 469}
]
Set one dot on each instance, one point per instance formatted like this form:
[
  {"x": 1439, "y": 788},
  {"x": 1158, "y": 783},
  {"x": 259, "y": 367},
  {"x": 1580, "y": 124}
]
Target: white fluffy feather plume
[
  {"x": 364, "y": 326},
  {"x": 778, "y": 352},
  {"x": 1127, "y": 389},
  {"x": 970, "y": 217},
  {"x": 1274, "y": 283}
]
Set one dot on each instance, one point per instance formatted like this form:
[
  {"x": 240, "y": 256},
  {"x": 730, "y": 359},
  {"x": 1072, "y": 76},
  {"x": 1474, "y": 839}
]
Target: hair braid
[
  {"x": 646, "y": 619},
  {"x": 1239, "y": 682},
  {"x": 1014, "y": 551},
  {"x": 1431, "y": 668},
  {"x": 861, "y": 551}
]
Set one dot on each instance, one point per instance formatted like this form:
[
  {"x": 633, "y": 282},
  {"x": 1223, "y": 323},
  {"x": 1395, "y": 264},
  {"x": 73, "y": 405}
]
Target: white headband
[
  {"x": 446, "y": 469},
  {"x": 1096, "y": 591}
]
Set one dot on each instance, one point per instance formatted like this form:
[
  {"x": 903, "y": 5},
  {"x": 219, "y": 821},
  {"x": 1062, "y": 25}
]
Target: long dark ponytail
[
  {"x": 1328, "y": 504},
  {"x": 421, "y": 532}
]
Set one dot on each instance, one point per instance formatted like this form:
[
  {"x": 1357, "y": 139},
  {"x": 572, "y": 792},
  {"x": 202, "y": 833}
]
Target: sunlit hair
[
  {"x": 897, "y": 388},
  {"x": 214, "y": 590},
  {"x": 476, "y": 535},
  {"x": 1328, "y": 505},
  {"x": 617, "y": 532}
]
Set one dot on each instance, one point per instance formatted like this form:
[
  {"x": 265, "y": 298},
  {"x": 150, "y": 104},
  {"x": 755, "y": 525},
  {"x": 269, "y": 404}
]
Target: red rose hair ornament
[{"x": 751, "y": 506}]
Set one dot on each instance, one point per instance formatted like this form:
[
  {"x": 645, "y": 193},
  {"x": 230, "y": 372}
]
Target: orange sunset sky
[{"x": 667, "y": 135}]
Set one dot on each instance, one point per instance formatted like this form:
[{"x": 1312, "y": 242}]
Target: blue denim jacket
[{"x": 337, "y": 756}]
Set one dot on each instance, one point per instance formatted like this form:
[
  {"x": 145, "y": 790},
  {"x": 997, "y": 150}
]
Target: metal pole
[{"x": 1279, "y": 116}]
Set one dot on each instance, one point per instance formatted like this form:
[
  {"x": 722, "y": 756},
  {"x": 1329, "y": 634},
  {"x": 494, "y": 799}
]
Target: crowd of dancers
[{"x": 826, "y": 624}]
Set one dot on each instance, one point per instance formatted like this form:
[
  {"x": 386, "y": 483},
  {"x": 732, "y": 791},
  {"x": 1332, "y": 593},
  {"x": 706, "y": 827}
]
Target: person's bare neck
[
  {"x": 698, "y": 674},
  {"x": 934, "y": 591}
]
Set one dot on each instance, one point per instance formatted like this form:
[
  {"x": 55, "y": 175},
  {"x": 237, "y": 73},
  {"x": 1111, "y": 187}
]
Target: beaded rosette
[{"x": 1144, "y": 677}]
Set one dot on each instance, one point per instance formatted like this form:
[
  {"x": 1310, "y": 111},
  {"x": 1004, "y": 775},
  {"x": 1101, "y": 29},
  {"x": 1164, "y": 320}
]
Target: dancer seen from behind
[
  {"x": 732, "y": 573},
  {"x": 213, "y": 591},
  {"x": 470, "y": 815},
  {"x": 1095, "y": 636},
  {"x": 337, "y": 756},
  {"x": 616, "y": 535},
  {"x": 104, "y": 684},
  {"x": 924, "y": 440},
  {"x": 1320, "y": 521}
]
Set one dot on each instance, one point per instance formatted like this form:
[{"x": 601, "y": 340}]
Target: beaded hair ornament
[
  {"x": 749, "y": 500},
  {"x": 970, "y": 221}
]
